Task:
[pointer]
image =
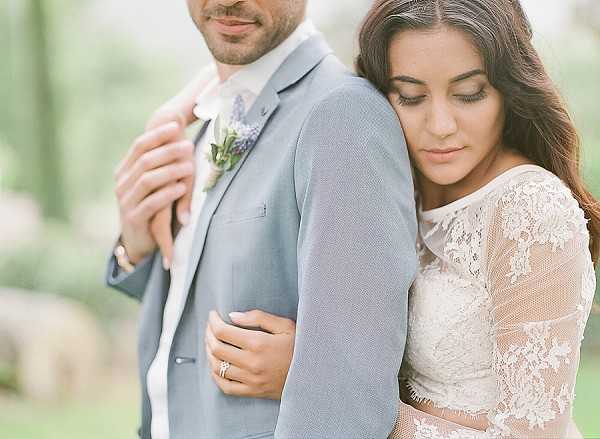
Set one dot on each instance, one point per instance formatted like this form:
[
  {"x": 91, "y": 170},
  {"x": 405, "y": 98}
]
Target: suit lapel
[
  {"x": 296, "y": 66},
  {"x": 259, "y": 114}
]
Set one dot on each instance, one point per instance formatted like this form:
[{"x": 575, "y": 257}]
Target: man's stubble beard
[{"x": 243, "y": 54}]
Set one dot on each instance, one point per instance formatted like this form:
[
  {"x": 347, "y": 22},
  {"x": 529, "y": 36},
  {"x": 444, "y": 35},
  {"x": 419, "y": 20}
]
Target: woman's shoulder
[{"x": 538, "y": 205}]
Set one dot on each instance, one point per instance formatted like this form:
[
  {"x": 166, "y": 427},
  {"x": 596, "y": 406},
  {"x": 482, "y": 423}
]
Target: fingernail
[
  {"x": 184, "y": 218},
  {"x": 166, "y": 264},
  {"x": 237, "y": 315}
]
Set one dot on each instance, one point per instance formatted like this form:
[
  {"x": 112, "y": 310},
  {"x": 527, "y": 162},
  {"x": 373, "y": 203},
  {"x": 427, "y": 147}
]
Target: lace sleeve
[
  {"x": 415, "y": 424},
  {"x": 541, "y": 281}
]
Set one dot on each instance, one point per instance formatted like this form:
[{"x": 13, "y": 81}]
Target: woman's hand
[{"x": 260, "y": 359}]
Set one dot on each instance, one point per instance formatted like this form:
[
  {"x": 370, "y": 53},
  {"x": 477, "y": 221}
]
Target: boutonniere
[{"x": 231, "y": 143}]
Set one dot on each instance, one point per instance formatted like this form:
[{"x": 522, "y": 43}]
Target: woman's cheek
[{"x": 412, "y": 132}]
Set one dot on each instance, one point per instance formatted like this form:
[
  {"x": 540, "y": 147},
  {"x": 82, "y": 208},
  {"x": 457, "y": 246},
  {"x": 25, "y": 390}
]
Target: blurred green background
[{"x": 78, "y": 79}]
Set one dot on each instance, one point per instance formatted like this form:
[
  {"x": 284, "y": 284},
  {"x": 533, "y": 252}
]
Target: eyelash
[{"x": 467, "y": 99}]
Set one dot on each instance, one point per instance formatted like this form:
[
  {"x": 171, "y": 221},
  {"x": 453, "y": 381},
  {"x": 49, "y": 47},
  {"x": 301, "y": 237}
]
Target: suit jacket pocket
[{"x": 241, "y": 215}]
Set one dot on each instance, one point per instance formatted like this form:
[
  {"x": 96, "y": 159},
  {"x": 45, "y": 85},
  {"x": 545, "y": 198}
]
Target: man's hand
[
  {"x": 160, "y": 225},
  {"x": 178, "y": 109},
  {"x": 157, "y": 170}
]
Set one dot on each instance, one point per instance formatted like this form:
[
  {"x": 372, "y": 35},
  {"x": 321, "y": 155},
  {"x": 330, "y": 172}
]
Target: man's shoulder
[
  {"x": 332, "y": 88},
  {"x": 336, "y": 91},
  {"x": 334, "y": 81}
]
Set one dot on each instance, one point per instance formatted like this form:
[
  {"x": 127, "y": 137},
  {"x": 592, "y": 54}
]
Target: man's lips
[{"x": 233, "y": 26}]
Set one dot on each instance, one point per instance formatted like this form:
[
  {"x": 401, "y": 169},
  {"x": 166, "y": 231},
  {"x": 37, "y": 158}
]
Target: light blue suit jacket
[{"x": 316, "y": 223}]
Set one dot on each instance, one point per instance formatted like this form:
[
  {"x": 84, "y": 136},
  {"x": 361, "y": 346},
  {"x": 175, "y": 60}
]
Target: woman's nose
[{"x": 441, "y": 122}]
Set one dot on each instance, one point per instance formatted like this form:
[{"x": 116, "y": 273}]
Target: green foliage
[
  {"x": 587, "y": 398},
  {"x": 8, "y": 377},
  {"x": 64, "y": 263},
  {"x": 111, "y": 416}
]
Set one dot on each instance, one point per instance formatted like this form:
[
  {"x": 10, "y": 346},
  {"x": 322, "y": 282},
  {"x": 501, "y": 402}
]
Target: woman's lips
[
  {"x": 233, "y": 26},
  {"x": 442, "y": 155}
]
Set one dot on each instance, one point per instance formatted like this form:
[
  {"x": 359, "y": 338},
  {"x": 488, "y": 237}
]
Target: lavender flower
[{"x": 233, "y": 142}]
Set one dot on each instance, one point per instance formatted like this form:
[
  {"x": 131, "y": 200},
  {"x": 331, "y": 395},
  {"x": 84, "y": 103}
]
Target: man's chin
[{"x": 238, "y": 50}]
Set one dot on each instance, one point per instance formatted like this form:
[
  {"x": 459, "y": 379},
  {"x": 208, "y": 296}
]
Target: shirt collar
[
  {"x": 255, "y": 76},
  {"x": 251, "y": 79}
]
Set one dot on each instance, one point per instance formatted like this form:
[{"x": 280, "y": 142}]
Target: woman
[{"x": 508, "y": 233}]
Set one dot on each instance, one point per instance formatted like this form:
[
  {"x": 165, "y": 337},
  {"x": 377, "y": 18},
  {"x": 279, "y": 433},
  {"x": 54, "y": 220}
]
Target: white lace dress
[{"x": 498, "y": 308}]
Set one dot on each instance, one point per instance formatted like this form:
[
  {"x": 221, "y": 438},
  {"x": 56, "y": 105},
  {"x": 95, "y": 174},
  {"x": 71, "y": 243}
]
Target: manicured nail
[
  {"x": 237, "y": 315},
  {"x": 184, "y": 218},
  {"x": 166, "y": 263}
]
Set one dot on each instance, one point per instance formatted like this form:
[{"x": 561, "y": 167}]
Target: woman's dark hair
[{"x": 537, "y": 122}]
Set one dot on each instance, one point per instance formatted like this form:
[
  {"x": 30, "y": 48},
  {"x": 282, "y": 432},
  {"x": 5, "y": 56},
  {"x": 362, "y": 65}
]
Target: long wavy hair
[{"x": 537, "y": 121}]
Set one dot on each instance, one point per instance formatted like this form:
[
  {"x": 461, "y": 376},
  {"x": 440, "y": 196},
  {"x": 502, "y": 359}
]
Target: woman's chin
[{"x": 444, "y": 177}]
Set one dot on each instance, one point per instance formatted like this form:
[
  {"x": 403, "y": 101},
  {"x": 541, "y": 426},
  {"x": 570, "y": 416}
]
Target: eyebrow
[{"x": 461, "y": 77}]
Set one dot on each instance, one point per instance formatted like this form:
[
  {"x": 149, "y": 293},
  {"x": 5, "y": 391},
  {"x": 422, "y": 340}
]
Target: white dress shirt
[{"x": 215, "y": 99}]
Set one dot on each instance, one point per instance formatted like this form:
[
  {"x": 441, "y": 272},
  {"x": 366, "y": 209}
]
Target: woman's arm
[
  {"x": 541, "y": 282},
  {"x": 260, "y": 358}
]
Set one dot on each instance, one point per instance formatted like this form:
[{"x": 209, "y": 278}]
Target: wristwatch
[{"x": 122, "y": 258}]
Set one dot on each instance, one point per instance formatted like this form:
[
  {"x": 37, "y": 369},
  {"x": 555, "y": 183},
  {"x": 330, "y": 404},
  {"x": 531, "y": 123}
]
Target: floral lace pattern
[
  {"x": 495, "y": 322},
  {"x": 523, "y": 393},
  {"x": 537, "y": 211},
  {"x": 424, "y": 430},
  {"x": 446, "y": 309},
  {"x": 464, "y": 239}
]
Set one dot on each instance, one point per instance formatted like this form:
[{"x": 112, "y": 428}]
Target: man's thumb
[{"x": 160, "y": 228}]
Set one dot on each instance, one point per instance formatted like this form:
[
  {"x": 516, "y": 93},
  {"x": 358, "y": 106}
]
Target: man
[{"x": 315, "y": 221}]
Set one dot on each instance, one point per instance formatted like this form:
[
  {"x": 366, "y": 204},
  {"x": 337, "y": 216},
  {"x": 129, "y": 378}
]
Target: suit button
[{"x": 183, "y": 360}]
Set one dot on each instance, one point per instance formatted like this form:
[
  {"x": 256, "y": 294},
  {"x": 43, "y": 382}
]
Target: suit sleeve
[
  {"x": 356, "y": 261},
  {"x": 132, "y": 284}
]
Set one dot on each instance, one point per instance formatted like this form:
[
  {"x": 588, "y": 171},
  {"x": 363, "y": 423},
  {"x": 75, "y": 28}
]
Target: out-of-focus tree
[
  {"x": 29, "y": 119},
  {"x": 588, "y": 13},
  {"x": 46, "y": 171}
]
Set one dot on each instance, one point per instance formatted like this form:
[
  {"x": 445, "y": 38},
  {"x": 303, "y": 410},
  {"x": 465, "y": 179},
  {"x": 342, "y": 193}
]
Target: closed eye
[
  {"x": 468, "y": 99},
  {"x": 410, "y": 100}
]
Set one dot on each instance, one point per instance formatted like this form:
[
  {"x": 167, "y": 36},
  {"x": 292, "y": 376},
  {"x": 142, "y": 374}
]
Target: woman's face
[{"x": 451, "y": 115}]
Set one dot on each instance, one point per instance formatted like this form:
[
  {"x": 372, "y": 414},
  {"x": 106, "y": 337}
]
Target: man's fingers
[
  {"x": 160, "y": 227},
  {"x": 184, "y": 205},
  {"x": 155, "y": 202},
  {"x": 156, "y": 158},
  {"x": 153, "y": 180},
  {"x": 165, "y": 115},
  {"x": 167, "y": 133},
  {"x": 263, "y": 320}
]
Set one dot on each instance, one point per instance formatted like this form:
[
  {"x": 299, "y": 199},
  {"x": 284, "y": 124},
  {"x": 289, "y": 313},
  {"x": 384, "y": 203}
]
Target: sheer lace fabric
[{"x": 498, "y": 309}]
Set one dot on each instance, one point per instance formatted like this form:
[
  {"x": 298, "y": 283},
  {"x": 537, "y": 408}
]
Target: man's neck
[{"x": 226, "y": 71}]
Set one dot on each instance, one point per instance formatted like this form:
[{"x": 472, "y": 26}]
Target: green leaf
[
  {"x": 228, "y": 142},
  {"x": 214, "y": 149},
  {"x": 235, "y": 159},
  {"x": 228, "y": 164}
]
